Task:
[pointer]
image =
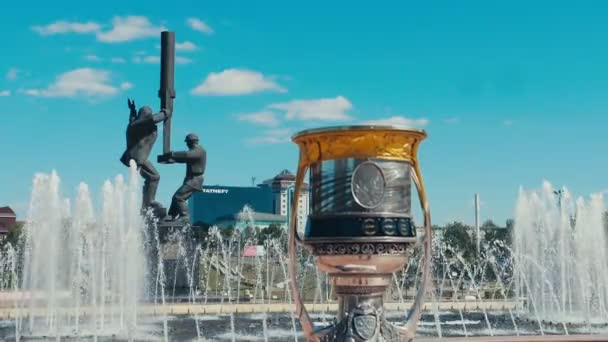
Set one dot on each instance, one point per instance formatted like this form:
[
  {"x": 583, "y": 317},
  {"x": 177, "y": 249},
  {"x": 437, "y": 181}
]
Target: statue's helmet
[
  {"x": 145, "y": 110},
  {"x": 191, "y": 137}
]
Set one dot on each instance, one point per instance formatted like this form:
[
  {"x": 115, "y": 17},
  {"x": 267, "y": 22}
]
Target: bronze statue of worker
[
  {"x": 141, "y": 136},
  {"x": 195, "y": 159}
]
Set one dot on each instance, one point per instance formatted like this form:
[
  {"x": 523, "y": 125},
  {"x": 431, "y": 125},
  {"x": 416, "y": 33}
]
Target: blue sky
[{"x": 509, "y": 94}]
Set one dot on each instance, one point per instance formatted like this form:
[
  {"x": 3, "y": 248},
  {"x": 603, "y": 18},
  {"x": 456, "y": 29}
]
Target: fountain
[
  {"x": 81, "y": 273},
  {"x": 117, "y": 272},
  {"x": 74, "y": 264},
  {"x": 560, "y": 249}
]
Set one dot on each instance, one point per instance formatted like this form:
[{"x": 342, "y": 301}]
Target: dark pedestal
[{"x": 180, "y": 262}]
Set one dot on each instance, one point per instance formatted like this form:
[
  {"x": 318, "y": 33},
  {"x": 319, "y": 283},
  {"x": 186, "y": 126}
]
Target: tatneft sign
[{"x": 215, "y": 191}]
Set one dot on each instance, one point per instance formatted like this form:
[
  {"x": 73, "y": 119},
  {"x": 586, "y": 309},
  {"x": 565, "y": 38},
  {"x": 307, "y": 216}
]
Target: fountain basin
[
  {"x": 553, "y": 338},
  {"x": 218, "y": 309}
]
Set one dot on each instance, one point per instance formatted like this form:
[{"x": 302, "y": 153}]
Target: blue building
[{"x": 217, "y": 201}]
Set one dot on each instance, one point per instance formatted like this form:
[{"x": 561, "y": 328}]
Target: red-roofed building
[{"x": 8, "y": 218}]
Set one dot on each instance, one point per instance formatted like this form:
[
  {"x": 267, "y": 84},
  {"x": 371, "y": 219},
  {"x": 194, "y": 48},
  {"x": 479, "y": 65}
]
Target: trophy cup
[{"x": 360, "y": 226}]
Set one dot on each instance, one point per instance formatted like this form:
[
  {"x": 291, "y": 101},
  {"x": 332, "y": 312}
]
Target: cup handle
[
  {"x": 414, "y": 314},
  {"x": 294, "y": 240}
]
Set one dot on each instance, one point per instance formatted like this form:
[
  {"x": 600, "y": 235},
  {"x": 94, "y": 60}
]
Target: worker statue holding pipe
[
  {"x": 195, "y": 159},
  {"x": 141, "y": 136}
]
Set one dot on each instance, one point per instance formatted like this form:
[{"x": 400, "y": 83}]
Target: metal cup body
[{"x": 360, "y": 225}]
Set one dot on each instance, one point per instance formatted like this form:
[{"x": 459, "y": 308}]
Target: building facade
[
  {"x": 218, "y": 201},
  {"x": 270, "y": 202},
  {"x": 8, "y": 218},
  {"x": 283, "y": 190}
]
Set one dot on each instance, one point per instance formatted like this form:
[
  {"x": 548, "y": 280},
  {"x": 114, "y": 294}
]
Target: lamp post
[{"x": 360, "y": 227}]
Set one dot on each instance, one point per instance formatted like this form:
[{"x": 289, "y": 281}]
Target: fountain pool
[{"x": 86, "y": 271}]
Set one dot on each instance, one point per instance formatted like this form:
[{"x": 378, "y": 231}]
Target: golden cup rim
[{"x": 355, "y": 128}]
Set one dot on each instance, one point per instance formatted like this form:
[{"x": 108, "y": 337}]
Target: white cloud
[
  {"x": 263, "y": 118},
  {"x": 273, "y": 136},
  {"x": 118, "y": 60},
  {"x": 326, "y": 109},
  {"x": 199, "y": 25},
  {"x": 92, "y": 58},
  {"x": 129, "y": 28},
  {"x": 126, "y": 85},
  {"x": 12, "y": 74},
  {"x": 182, "y": 60},
  {"x": 236, "y": 82},
  {"x": 185, "y": 46},
  {"x": 452, "y": 120},
  {"x": 152, "y": 59},
  {"x": 122, "y": 29},
  {"x": 82, "y": 82},
  {"x": 4, "y": 93},
  {"x": 399, "y": 121},
  {"x": 146, "y": 59},
  {"x": 62, "y": 26},
  {"x": 32, "y": 92},
  {"x": 508, "y": 123},
  {"x": 156, "y": 60}
]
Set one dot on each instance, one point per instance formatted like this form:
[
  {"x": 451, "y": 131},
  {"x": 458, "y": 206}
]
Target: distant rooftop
[
  {"x": 285, "y": 175},
  {"x": 7, "y": 212}
]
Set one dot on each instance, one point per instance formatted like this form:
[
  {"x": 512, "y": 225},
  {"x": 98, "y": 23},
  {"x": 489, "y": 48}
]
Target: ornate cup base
[{"x": 361, "y": 318}]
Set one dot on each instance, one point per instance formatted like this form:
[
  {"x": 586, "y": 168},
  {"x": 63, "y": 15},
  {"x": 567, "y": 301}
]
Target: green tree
[
  {"x": 272, "y": 232},
  {"x": 498, "y": 234},
  {"x": 489, "y": 224},
  {"x": 494, "y": 233},
  {"x": 227, "y": 232},
  {"x": 249, "y": 233},
  {"x": 456, "y": 235},
  {"x": 14, "y": 235}
]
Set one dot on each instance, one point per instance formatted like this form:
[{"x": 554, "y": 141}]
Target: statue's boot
[
  {"x": 151, "y": 180},
  {"x": 158, "y": 209},
  {"x": 184, "y": 220},
  {"x": 169, "y": 218},
  {"x": 177, "y": 220},
  {"x": 149, "y": 193}
]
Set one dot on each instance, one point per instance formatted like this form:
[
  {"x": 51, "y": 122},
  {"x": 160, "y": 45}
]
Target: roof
[
  {"x": 7, "y": 211},
  {"x": 252, "y": 251},
  {"x": 285, "y": 175}
]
